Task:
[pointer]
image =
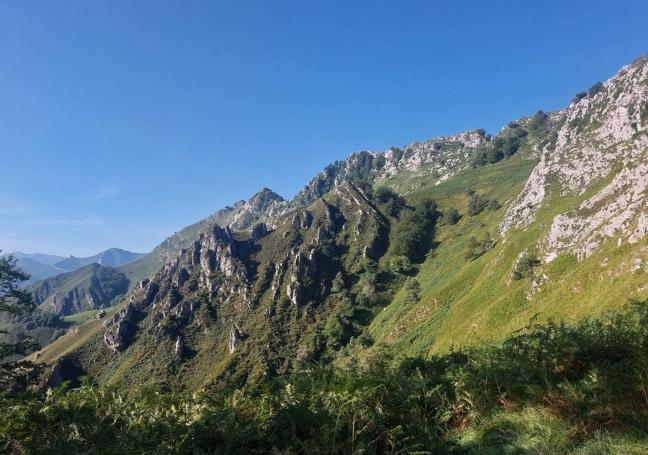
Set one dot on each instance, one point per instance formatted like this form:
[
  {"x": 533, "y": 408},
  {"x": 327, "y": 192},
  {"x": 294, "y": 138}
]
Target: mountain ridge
[
  {"x": 42, "y": 266},
  {"x": 348, "y": 266}
]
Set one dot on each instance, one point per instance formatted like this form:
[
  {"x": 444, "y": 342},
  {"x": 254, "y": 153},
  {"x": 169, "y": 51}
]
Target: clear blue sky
[{"x": 123, "y": 121}]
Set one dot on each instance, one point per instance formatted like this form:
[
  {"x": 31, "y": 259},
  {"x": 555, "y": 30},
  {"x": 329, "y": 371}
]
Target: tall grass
[{"x": 551, "y": 389}]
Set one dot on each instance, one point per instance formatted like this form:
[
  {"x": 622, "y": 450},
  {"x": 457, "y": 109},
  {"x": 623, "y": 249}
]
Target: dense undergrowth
[{"x": 551, "y": 389}]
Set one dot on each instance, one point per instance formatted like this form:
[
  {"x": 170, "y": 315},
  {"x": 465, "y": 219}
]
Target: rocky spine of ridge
[
  {"x": 225, "y": 280},
  {"x": 441, "y": 157},
  {"x": 601, "y": 136}
]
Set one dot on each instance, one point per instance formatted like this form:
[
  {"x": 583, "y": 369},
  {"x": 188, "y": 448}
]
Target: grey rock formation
[
  {"x": 120, "y": 329},
  {"x": 596, "y": 137}
]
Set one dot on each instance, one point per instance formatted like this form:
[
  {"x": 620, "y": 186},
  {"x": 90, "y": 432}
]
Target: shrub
[
  {"x": 391, "y": 203},
  {"x": 595, "y": 88},
  {"x": 538, "y": 123},
  {"x": 476, "y": 204},
  {"x": 493, "y": 204},
  {"x": 506, "y": 144},
  {"x": 412, "y": 290},
  {"x": 400, "y": 264},
  {"x": 412, "y": 235},
  {"x": 451, "y": 216},
  {"x": 524, "y": 267},
  {"x": 579, "y": 96},
  {"x": 551, "y": 388},
  {"x": 477, "y": 248},
  {"x": 496, "y": 151}
]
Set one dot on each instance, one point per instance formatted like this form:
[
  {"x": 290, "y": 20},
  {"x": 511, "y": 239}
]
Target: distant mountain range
[{"x": 41, "y": 266}]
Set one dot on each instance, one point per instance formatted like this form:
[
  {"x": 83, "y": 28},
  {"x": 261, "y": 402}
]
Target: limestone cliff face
[
  {"x": 266, "y": 205},
  {"x": 439, "y": 158},
  {"x": 600, "y": 148}
]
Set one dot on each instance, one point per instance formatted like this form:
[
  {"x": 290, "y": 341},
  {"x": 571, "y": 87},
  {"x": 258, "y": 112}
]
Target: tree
[
  {"x": 339, "y": 327},
  {"x": 412, "y": 290},
  {"x": 496, "y": 151},
  {"x": 338, "y": 285},
  {"x": 413, "y": 234},
  {"x": 12, "y": 299},
  {"x": 391, "y": 202},
  {"x": 16, "y": 302},
  {"x": 538, "y": 122},
  {"x": 400, "y": 264}
]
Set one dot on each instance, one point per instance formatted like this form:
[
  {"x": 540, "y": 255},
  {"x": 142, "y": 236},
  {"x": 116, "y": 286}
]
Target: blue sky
[{"x": 122, "y": 121}]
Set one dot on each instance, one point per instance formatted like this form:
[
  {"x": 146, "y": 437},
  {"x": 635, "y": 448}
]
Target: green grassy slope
[
  {"x": 472, "y": 302},
  {"x": 87, "y": 288}
]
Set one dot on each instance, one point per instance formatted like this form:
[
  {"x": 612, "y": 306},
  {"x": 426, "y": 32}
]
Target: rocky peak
[
  {"x": 266, "y": 206},
  {"x": 601, "y": 136}
]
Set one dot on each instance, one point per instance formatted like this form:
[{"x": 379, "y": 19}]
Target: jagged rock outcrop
[
  {"x": 440, "y": 157},
  {"x": 120, "y": 329},
  {"x": 603, "y": 135},
  {"x": 213, "y": 260}
]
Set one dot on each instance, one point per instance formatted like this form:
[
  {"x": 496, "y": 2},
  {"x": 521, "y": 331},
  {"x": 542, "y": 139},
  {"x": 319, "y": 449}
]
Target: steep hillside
[
  {"x": 265, "y": 205},
  {"x": 570, "y": 244},
  {"x": 91, "y": 287},
  {"x": 237, "y": 307},
  {"x": 545, "y": 220}
]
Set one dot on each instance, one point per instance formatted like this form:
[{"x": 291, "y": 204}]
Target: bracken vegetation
[{"x": 553, "y": 389}]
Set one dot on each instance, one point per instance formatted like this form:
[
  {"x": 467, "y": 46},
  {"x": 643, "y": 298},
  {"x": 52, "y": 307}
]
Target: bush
[
  {"x": 538, "y": 123},
  {"x": 579, "y": 96},
  {"x": 493, "y": 205},
  {"x": 506, "y": 144},
  {"x": 476, "y": 204},
  {"x": 524, "y": 267},
  {"x": 413, "y": 234},
  {"x": 451, "y": 216},
  {"x": 477, "y": 248},
  {"x": 595, "y": 88},
  {"x": 400, "y": 264},
  {"x": 390, "y": 202},
  {"x": 552, "y": 388},
  {"x": 412, "y": 290}
]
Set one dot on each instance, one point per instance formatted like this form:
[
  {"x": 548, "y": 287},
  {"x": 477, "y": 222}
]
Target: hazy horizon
[{"x": 123, "y": 123}]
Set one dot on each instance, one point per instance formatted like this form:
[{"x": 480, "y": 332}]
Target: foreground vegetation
[{"x": 551, "y": 389}]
